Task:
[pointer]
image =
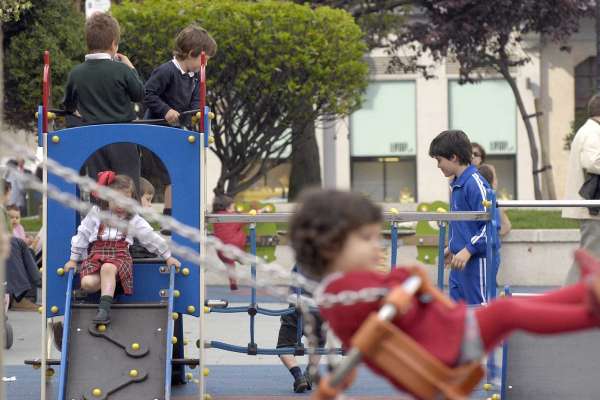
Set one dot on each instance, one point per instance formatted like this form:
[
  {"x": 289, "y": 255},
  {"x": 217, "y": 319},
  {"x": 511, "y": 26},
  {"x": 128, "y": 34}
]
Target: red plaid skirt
[{"x": 114, "y": 252}]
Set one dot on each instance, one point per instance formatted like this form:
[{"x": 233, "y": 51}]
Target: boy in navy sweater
[
  {"x": 466, "y": 249},
  {"x": 173, "y": 88}
]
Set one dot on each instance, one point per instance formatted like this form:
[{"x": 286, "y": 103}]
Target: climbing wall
[{"x": 121, "y": 361}]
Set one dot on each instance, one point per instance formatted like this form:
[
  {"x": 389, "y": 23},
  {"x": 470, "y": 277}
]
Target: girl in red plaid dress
[{"x": 109, "y": 256}]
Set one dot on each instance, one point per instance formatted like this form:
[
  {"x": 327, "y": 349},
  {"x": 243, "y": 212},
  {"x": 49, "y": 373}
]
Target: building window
[
  {"x": 487, "y": 112},
  {"x": 388, "y": 179},
  {"x": 383, "y": 142}
]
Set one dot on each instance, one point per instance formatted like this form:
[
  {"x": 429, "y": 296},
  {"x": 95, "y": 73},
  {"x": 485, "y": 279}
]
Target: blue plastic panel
[{"x": 181, "y": 157}]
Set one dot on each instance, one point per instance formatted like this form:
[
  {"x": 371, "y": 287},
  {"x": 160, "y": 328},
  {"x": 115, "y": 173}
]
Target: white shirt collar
[
  {"x": 190, "y": 73},
  {"x": 98, "y": 56}
]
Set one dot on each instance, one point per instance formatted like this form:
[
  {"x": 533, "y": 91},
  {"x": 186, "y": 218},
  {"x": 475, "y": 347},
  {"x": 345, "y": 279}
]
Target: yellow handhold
[
  {"x": 394, "y": 211},
  {"x": 211, "y": 115},
  {"x": 51, "y": 116},
  {"x": 486, "y": 203},
  {"x": 101, "y": 328},
  {"x": 191, "y": 309},
  {"x": 189, "y": 376},
  {"x": 207, "y": 397},
  {"x": 133, "y": 373},
  {"x": 135, "y": 346},
  {"x": 41, "y": 270},
  {"x": 60, "y": 271},
  {"x": 495, "y": 396},
  {"x": 252, "y": 212},
  {"x": 206, "y": 310},
  {"x": 50, "y": 372},
  {"x": 54, "y": 309},
  {"x": 185, "y": 271},
  {"x": 192, "y": 139},
  {"x": 175, "y": 316},
  {"x": 176, "y": 293},
  {"x": 424, "y": 208},
  {"x": 487, "y": 386},
  {"x": 211, "y": 139},
  {"x": 40, "y": 309},
  {"x": 205, "y": 371},
  {"x": 185, "y": 342},
  {"x": 174, "y": 340},
  {"x": 441, "y": 210},
  {"x": 97, "y": 392},
  {"x": 55, "y": 138}
]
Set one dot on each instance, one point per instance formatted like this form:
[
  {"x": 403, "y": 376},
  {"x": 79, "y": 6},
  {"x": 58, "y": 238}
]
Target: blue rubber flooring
[{"x": 242, "y": 381}]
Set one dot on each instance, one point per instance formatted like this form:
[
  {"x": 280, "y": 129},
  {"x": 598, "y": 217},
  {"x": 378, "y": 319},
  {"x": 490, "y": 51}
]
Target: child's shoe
[
  {"x": 102, "y": 317},
  {"x": 300, "y": 384}
]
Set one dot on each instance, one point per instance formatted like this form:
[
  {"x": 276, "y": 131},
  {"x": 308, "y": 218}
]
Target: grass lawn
[{"x": 535, "y": 219}]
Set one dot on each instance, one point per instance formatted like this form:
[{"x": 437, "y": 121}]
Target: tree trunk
[
  {"x": 306, "y": 165},
  {"x": 504, "y": 70},
  {"x": 547, "y": 175}
]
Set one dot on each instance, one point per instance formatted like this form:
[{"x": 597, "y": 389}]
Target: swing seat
[{"x": 402, "y": 358}]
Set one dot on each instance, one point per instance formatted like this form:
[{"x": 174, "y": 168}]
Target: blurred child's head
[
  {"x": 14, "y": 215},
  {"x": 189, "y": 45},
  {"x": 489, "y": 173},
  {"x": 452, "y": 150},
  {"x": 147, "y": 192},
  {"x": 222, "y": 203},
  {"x": 336, "y": 231},
  {"x": 102, "y": 33},
  {"x": 5, "y": 192},
  {"x": 478, "y": 154}
]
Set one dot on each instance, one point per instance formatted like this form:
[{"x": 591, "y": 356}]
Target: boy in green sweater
[{"x": 101, "y": 91}]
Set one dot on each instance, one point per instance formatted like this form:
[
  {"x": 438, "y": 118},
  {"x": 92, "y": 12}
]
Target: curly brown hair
[{"x": 321, "y": 224}]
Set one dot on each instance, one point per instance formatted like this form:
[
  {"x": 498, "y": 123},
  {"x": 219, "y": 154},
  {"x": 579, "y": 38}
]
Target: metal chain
[{"x": 209, "y": 261}]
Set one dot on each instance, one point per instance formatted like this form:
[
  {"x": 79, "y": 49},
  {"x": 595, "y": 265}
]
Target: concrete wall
[{"x": 529, "y": 258}]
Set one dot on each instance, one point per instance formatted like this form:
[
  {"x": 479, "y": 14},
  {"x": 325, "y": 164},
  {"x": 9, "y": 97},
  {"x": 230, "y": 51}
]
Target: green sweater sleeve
[{"x": 135, "y": 87}]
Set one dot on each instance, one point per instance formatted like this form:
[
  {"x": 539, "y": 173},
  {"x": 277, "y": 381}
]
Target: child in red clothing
[
  {"x": 336, "y": 238},
  {"x": 228, "y": 233}
]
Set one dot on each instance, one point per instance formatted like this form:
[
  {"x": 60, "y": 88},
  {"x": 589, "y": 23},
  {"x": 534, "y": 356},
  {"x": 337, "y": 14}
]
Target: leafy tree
[
  {"x": 9, "y": 11},
  {"x": 52, "y": 25},
  {"x": 279, "y": 65}
]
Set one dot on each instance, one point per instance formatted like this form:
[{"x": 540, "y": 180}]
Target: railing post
[
  {"x": 394, "y": 244},
  {"x": 441, "y": 248}
]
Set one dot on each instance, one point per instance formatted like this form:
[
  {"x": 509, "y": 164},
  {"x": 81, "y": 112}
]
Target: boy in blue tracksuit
[{"x": 466, "y": 249}]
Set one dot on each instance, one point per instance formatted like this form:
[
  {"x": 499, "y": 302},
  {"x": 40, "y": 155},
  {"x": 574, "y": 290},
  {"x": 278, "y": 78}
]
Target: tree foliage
[
  {"x": 274, "y": 58},
  {"x": 52, "y": 25},
  {"x": 10, "y": 10}
]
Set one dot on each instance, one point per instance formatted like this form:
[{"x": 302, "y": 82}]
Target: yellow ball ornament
[
  {"x": 185, "y": 271},
  {"x": 487, "y": 386},
  {"x": 60, "y": 271},
  {"x": 135, "y": 346},
  {"x": 97, "y": 392},
  {"x": 175, "y": 316},
  {"x": 174, "y": 340},
  {"x": 252, "y": 212},
  {"x": 176, "y": 293},
  {"x": 191, "y": 139},
  {"x": 191, "y": 309},
  {"x": 102, "y": 328},
  {"x": 55, "y": 138},
  {"x": 189, "y": 376},
  {"x": 133, "y": 373},
  {"x": 54, "y": 309},
  {"x": 205, "y": 371}
]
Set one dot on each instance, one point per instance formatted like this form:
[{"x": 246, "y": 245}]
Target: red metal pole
[
  {"x": 202, "y": 89},
  {"x": 45, "y": 91}
]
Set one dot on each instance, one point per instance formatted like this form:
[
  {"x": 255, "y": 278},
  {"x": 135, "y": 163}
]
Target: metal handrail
[
  {"x": 548, "y": 203},
  {"x": 403, "y": 216}
]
